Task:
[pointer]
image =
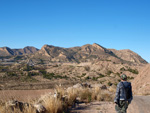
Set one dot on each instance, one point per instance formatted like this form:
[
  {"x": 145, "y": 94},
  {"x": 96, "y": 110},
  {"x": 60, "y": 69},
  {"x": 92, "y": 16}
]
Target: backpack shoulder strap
[{"x": 123, "y": 84}]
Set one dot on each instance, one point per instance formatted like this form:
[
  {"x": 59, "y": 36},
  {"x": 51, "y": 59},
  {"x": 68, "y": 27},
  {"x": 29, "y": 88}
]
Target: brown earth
[
  {"x": 22, "y": 95},
  {"x": 141, "y": 84},
  {"x": 140, "y": 104}
]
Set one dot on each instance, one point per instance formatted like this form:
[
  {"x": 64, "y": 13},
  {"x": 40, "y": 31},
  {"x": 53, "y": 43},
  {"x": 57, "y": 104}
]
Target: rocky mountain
[
  {"x": 129, "y": 55},
  {"x": 87, "y": 53},
  {"x": 6, "y": 51},
  {"x": 141, "y": 84}
]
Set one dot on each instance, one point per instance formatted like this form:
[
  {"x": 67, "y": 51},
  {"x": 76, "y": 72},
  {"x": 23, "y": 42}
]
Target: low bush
[{"x": 134, "y": 71}]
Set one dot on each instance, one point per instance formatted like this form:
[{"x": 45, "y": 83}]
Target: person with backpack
[{"x": 123, "y": 95}]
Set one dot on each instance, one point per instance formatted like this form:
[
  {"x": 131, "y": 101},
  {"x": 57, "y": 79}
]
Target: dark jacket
[{"x": 120, "y": 93}]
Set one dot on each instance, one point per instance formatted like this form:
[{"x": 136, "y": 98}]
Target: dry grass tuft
[
  {"x": 96, "y": 93},
  {"x": 26, "y": 109},
  {"x": 107, "y": 96},
  {"x": 112, "y": 89},
  {"x": 71, "y": 96},
  {"x": 53, "y": 105},
  {"x": 60, "y": 91},
  {"x": 85, "y": 94},
  {"x": 63, "y": 99}
]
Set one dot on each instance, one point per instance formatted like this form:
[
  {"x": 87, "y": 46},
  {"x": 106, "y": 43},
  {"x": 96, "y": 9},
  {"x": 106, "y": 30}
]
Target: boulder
[{"x": 40, "y": 108}]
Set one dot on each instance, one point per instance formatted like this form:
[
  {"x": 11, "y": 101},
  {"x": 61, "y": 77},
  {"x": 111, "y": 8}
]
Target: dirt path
[{"x": 140, "y": 104}]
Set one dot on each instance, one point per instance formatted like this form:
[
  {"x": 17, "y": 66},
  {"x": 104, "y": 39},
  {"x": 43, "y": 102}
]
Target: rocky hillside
[
  {"x": 141, "y": 83},
  {"x": 87, "y": 53},
  {"x": 88, "y": 63},
  {"x": 6, "y": 51},
  {"x": 128, "y": 55}
]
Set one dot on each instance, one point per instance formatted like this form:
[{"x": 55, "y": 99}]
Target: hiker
[{"x": 123, "y": 95}]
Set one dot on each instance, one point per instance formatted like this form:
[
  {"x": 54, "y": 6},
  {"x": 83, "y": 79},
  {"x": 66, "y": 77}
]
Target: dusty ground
[
  {"x": 140, "y": 104},
  {"x": 22, "y": 95}
]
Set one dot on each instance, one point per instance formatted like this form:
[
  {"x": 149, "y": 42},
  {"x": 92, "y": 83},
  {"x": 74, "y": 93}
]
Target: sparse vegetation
[
  {"x": 28, "y": 68},
  {"x": 83, "y": 74},
  {"x": 109, "y": 72},
  {"x": 130, "y": 78},
  {"x": 18, "y": 57},
  {"x": 87, "y": 68},
  {"x": 11, "y": 74},
  {"x": 109, "y": 83},
  {"x": 87, "y": 78},
  {"x": 95, "y": 78},
  {"x": 101, "y": 75},
  {"x": 122, "y": 69},
  {"x": 135, "y": 71},
  {"x": 29, "y": 78},
  {"x": 65, "y": 99}
]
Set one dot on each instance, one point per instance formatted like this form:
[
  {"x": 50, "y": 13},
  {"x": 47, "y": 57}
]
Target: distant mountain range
[
  {"x": 6, "y": 51},
  {"x": 84, "y": 53}
]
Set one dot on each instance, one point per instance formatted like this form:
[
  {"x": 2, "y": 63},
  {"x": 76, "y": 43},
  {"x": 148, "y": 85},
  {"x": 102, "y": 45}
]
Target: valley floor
[
  {"x": 22, "y": 95},
  {"x": 140, "y": 104}
]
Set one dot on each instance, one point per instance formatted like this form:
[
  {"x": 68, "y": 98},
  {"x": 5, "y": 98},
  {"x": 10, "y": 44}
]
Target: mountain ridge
[
  {"x": 85, "y": 53},
  {"x": 6, "y": 51}
]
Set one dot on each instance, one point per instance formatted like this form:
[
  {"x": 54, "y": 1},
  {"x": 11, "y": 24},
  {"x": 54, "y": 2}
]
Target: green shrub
[
  {"x": 109, "y": 83},
  {"x": 11, "y": 74},
  {"x": 87, "y": 78},
  {"x": 32, "y": 73},
  {"x": 95, "y": 78},
  {"x": 118, "y": 74},
  {"x": 43, "y": 72},
  {"x": 48, "y": 75},
  {"x": 83, "y": 74},
  {"x": 122, "y": 69},
  {"x": 101, "y": 75},
  {"x": 109, "y": 72},
  {"x": 29, "y": 78},
  {"x": 130, "y": 78},
  {"x": 135, "y": 71},
  {"x": 28, "y": 68},
  {"x": 87, "y": 68}
]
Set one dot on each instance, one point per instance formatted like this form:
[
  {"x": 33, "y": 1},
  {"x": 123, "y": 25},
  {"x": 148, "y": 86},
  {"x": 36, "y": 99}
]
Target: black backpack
[{"x": 127, "y": 91}]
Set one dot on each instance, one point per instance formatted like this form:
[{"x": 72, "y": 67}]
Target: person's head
[{"x": 123, "y": 77}]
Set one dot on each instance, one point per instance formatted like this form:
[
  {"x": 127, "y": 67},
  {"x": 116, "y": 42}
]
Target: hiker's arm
[
  {"x": 131, "y": 95},
  {"x": 117, "y": 93}
]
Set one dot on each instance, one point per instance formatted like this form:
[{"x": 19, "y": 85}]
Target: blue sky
[{"x": 118, "y": 24}]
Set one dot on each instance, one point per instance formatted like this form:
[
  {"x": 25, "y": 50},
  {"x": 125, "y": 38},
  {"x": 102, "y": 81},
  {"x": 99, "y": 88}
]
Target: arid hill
[
  {"x": 6, "y": 51},
  {"x": 88, "y": 63},
  {"x": 87, "y": 53},
  {"x": 141, "y": 84},
  {"x": 129, "y": 55}
]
